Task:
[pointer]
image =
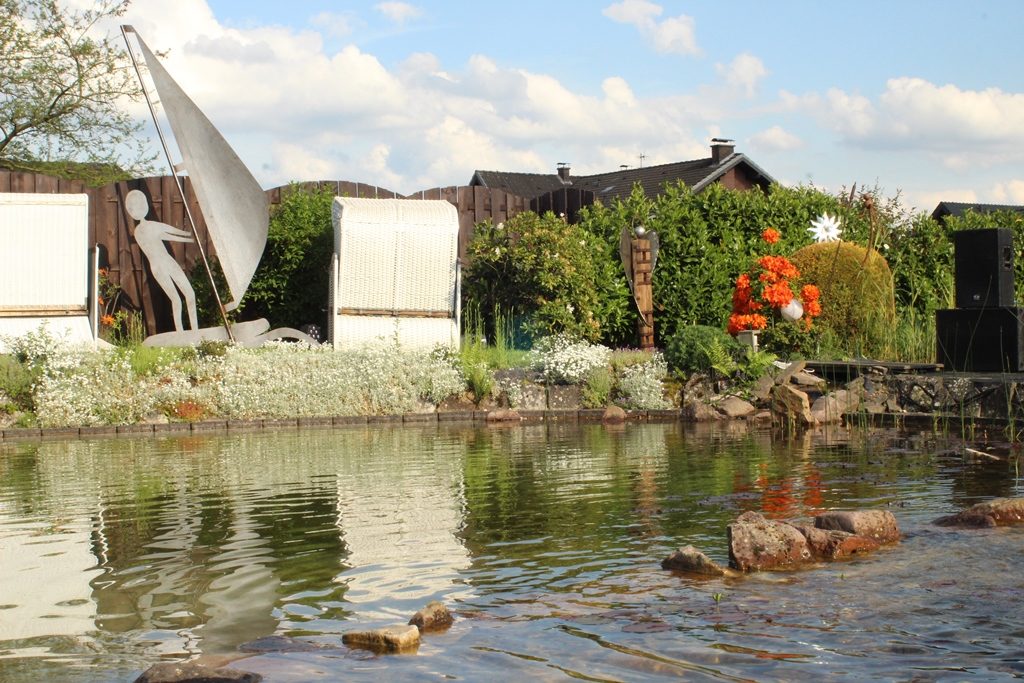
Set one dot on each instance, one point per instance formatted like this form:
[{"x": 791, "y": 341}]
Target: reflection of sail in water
[{"x": 234, "y": 205}]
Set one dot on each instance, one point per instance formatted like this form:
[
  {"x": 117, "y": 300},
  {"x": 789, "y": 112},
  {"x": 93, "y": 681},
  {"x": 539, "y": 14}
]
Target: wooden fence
[{"x": 111, "y": 227}]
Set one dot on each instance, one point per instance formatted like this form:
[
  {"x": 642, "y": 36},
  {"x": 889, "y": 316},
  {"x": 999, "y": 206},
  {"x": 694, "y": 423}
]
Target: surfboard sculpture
[{"x": 233, "y": 203}]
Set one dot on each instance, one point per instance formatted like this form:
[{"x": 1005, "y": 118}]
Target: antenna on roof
[{"x": 642, "y": 157}]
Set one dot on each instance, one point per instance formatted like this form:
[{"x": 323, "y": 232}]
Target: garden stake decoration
[{"x": 638, "y": 249}]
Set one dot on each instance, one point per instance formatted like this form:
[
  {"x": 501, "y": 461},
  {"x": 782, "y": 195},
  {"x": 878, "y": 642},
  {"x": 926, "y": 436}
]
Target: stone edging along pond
[{"x": 455, "y": 416}]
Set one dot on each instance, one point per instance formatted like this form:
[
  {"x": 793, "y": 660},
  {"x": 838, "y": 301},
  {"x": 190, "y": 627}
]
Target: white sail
[{"x": 233, "y": 203}]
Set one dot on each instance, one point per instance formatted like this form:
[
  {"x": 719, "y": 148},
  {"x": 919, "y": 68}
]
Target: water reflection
[{"x": 545, "y": 537}]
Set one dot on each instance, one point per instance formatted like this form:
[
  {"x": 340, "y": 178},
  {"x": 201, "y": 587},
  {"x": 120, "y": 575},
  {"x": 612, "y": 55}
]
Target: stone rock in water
[
  {"x": 879, "y": 525},
  {"x": 832, "y": 544},
  {"x": 791, "y": 405},
  {"x": 689, "y": 559},
  {"x": 613, "y": 415},
  {"x": 432, "y": 617},
  {"x": 190, "y": 672},
  {"x": 503, "y": 415},
  {"x": 757, "y": 544},
  {"x": 996, "y": 512},
  {"x": 399, "y": 638},
  {"x": 734, "y": 406}
]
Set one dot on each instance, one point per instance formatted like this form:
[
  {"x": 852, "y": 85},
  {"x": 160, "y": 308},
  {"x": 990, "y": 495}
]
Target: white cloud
[
  {"x": 743, "y": 73},
  {"x": 674, "y": 35},
  {"x": 335, "y": 24},
  {"x": 398, "y": 12},
  {"x": 775, "y": 139},
  {"x": 1010, "y": 192},
  {"x": 296, "y": 108},
  {"x": 963, "y": 129}
]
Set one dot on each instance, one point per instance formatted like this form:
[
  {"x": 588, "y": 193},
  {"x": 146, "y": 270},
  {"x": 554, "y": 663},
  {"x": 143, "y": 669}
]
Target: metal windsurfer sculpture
[{"x": 233, "y": 203}]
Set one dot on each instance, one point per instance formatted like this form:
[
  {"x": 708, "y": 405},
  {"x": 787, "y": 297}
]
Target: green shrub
[
  {"x": 16, "y": 382},
  {"x": 537, "y": 266},
  {"x": 701, "y": 348},
  {"x": 290, "y": 286},
  {"x": 857, "y": 301},
  {"x": 597, "y": 388}
]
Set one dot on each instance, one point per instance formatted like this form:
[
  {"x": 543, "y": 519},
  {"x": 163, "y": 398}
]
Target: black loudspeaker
[
  {"x": 980, "y": 339},
  {"x": 983, "y": 267}
]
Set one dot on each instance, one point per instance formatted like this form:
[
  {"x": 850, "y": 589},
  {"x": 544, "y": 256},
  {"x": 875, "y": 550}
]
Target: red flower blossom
[{"x": 770, "y": 235}]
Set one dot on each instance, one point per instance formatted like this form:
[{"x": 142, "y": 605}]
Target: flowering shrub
[
  {"x": 768, "y": 288},
  {"x": 77, "y": 387},
  {"x": 640, "y": 385},
  {"x": 563, "y": 359}
]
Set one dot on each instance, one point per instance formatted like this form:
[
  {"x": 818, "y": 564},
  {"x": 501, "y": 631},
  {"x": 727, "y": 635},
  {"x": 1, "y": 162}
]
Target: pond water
[{"x": 262, "y": 548}]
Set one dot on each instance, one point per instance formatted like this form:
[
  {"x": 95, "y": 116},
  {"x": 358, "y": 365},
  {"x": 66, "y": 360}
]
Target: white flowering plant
[
  {"x": 564, "y": 359},
  {"x": 640, "y": 386}
]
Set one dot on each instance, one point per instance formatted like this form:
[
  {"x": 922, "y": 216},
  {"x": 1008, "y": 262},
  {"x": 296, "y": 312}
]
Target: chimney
[
  {"x": 563, "y": 172},
  {"x": 721, "y": 148}
]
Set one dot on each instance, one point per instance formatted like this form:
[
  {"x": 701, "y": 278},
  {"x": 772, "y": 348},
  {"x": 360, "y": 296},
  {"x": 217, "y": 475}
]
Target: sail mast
[{"x": 125, "y": 30}]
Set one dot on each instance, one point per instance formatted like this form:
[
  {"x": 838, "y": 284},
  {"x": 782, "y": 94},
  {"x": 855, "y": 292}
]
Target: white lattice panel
[
  {"x": 395, "y": 255},
  {"x": 44, "y": 250}
]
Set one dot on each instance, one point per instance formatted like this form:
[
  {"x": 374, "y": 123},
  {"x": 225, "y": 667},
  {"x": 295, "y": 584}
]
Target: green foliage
[
  {"x": 920, "y": 255},
  {"x": 790, "y": 340},
  {"x": 538, "y": 266},
  {"x": 61, "y": 111},
  {"x": 856, "y": 294},
  {"x": 706, "y": 241},
  {"x": 146, "y": 361},
  {"x": 16, "y": 382},
  {"x": 290, "y": 286},
  {"x": 597, "y": 388},
  {"x": 700, "y": 348}
]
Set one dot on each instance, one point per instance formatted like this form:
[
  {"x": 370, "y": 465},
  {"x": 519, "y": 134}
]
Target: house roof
[
  {"x": 958, "y": 209},
  {"x": 697, "y": 174}
]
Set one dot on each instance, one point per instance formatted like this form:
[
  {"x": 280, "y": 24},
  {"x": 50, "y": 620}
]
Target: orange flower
[
  {"x": 770, "y": 235},
  {"x": 752, "y": 321},
  {"x": 810, "y": 293},
  {"x": 778, "y": 294},
  {"x": 107, "y": 319}
]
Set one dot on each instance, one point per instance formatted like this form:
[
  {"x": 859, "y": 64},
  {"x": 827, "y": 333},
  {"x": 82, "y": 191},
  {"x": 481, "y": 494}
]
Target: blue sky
[{"x": 924, "y": 98}]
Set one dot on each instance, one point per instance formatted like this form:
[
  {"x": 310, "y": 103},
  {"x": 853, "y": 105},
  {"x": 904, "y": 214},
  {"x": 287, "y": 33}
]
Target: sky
[{"x": 924, "y": 98}]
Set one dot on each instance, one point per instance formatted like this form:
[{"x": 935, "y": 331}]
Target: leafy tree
[{"x": 61, "y": 90}]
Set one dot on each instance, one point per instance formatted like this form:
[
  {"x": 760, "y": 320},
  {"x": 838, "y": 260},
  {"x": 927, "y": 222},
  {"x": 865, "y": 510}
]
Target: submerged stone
[
  {"x": 180, "y": 672},
  {"x": 398, "y": 638},
  {"x": 996, "y": 512}
]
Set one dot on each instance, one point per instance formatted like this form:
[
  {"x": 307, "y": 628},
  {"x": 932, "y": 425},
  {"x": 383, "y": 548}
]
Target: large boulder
[
  {"x": 879, "y": 525},
  {"x": 689, "y": 559},
  {"x": 997, "y": 512},
  {"x": 757, "y": 544},
  {"x": 791, "y": 406},
  {"x": 190, "y": 672},
  {"x": 832, "y": 544}
]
